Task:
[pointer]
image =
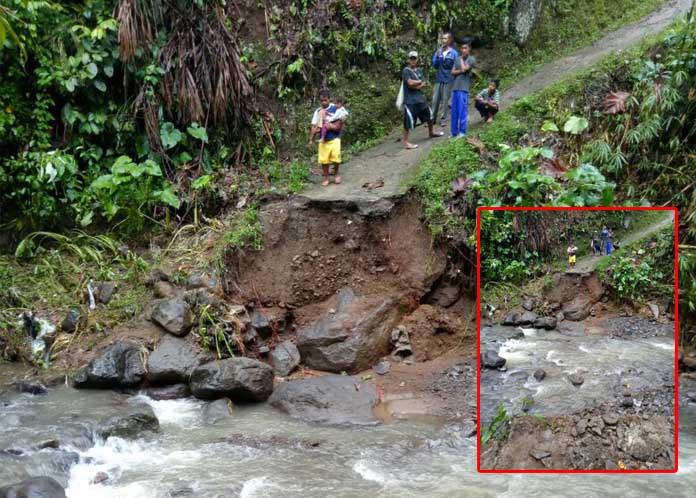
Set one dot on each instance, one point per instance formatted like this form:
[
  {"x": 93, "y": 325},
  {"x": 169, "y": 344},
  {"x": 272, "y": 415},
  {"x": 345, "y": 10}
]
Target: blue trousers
[
  {"x": 460, "y": 111},
  {"x": 608, "y": 247}
]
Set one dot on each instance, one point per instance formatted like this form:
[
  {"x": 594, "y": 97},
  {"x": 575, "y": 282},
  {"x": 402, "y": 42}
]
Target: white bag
[{"x": 400, "y": 97}]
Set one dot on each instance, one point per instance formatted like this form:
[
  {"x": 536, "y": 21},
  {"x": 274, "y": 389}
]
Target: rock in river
[
  {"x": 240, "y": 379},
  {"x": 285, "y": 357},
  {"x": 576, "y": 379},
  {"x": 172, "y": 361},
  {"x": 35, "y": 487},
  {"x": 540, "y": 374},
  {"x": 175, "y": 391},
  {"x": 330, "y": 399},
  {"x": 545, "y": 322},
  {"x": 119, "y": 365},
  {"x": 174, "y": 315},
  {"x": 353, "y": 338},
  {"x": 132, "y": 425},
  {"x": 578, "y": 309},
  {"x": 491, "y": 359}
]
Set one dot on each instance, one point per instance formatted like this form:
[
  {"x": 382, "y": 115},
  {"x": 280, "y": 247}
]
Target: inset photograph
[{"x": 577, "y": 339}]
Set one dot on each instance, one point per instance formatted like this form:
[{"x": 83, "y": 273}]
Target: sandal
[
  {"x": 411, "y": 146},
  {"x": 325, "y": 183},
  {"x": 337, "y": 180}
]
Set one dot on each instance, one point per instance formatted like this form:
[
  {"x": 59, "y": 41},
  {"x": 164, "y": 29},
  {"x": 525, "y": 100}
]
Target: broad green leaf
[
  {"x": 92, "y": 69},
  {"x": 170, "y": 135},
  {"x": 549, "y": 126},
  {"x": 576, "y": 125},
  {"x": 201, "y": 182},
  {"x": 198, "y": 132},
  {"x": 168, "y": 196},
  {"x": 101, "y": 86},
  {"x": 109, "y": 70}
]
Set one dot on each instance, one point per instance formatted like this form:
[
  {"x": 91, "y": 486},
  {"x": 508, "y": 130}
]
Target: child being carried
[{"x": 335, "y": 121}]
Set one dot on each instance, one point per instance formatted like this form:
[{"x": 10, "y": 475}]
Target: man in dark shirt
[
  {"x": 415, "y": 106},
  {"x": 443, "y": 61}
]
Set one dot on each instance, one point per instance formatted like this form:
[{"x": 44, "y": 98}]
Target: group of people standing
[
  {"x": 601, "y": 244},
  {"x": 454, "y": 70},
  {"x": 453, "y": 79}
]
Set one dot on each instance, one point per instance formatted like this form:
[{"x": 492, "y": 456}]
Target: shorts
[
  {"x": 571, "y": 259},
  {"x": 330, "y": 152},
  {"x": 416, "y": 112}
]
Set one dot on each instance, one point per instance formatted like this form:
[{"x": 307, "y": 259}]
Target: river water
[
  {"x": 609, "y": 366},
  {"x": 266, "y": 455}
]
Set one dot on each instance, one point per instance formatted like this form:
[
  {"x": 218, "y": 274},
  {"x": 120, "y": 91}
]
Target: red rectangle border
[{"x": 478, "y": 339}]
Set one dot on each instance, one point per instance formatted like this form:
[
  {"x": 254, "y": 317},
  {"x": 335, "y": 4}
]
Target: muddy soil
[{"x": 585, "y": 441}]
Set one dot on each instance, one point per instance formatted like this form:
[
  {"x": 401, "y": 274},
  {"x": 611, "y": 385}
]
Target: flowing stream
[
  {"x": 608, "y": 365},
  {"x": 257, "y": 452}
]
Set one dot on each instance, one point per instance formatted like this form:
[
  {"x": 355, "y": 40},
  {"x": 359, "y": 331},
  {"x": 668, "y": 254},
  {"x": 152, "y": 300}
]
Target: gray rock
[
  {"x": 100, "y": 477},
  {"x": 511, "y": 319},
  {"x": 538, "y": 454},
  {"x": 31, "y": 387},
  {"x": 540, "y": 374},
  {"x": 610, "y": 418},
  {"x": 71, "y": 321},
  {"x": 581, "y": 427},
  {"x": 216, "y": 410},
  {"x": 491, "y": 359},
  {"x": 105, "y": 291},
  {"x": 197, "y": 280},
  {"x": 330, "y": 399},
  {"x": 353, "y": 338},
  {"x": 119, "y": 365},
  {"x": 382, "y": 368},
  {"x": 627, "y": 402},
  {"x": 174, "y": 315},
  {"x": 527, "y": 403},
  {"x": 35, "y": 487},
  {"x": 266, "y": 320},
  {"x": 49, "y": 443},
  {"x": 240, "y": 379},
  {"x": 468, "y": 428},
  {"x": 655, "y": 310},
  {"x": 526, "y": 318},
  {"x": 172, "y": 361},
  {"x": 545, "y": 322},
  {"x": 578, "y": 309},
  {"x": 285, "y": 358},
  {"x": 445, "y": 295},
  {"x": 523, "y": 17},
  {"x": 131, "y": 426},
  {"x": 164, "y": 289},
  {"x": 176, "y": 391},
  {"x": 560, "y": 317},
  {"x": 528, "y": 304},
  {"x": 576, "y": 379}
]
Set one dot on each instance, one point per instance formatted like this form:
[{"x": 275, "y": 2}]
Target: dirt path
[
  {"x": 588, "y": 263},
  {"x": 394, "y": 165}
]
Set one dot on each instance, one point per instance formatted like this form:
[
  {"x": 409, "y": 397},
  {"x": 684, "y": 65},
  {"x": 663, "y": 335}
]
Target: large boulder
[
  {"x": 526, "y": 318},
  {"x": 353, "y": 338},
  {"x": 175, "y": 391},
  {"x": 545, "y": 322},
  {"x": 285, "y": 358},
  {"x": 265, "y": 320},
  {"x": 330, "y": 399},
  {"x": 524, "y": 15},
  {"x": 577, "y": 310},
  {"x": 174, "y": 315},
  {"x": 172, "y": 361},
  {"x": 119, "y": 365},
  {"x": 240, "y": 379},
  {"x": 130, "y": 426},
  {"x": 491, "y": 359},
  {"x": 35, "y": 487}
]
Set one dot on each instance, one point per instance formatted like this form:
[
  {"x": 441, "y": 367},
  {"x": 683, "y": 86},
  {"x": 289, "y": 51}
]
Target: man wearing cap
[
  {"x": 415, "y": 105},
  {"x": 443, "y": 61}
]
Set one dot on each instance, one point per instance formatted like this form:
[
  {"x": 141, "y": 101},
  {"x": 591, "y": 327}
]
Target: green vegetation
[{"x": 499, "y": 428}]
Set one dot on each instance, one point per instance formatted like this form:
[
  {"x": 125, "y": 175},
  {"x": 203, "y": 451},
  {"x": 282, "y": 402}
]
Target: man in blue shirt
[{"x": 443, "y": 60}]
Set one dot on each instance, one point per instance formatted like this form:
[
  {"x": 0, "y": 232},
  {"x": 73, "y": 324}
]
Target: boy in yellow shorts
[
  {"x": 572, "y": 252},
  {"x": 330, "y": 146}
]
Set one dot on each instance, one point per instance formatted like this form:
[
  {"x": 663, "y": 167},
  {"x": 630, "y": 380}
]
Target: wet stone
[
  {"x": 538, "y": 454},
  {"x": 576, "y": 379},
  {"x": 540, "y": 374},
  {"x": 382, "y": 367},
  {"x": 610, "y": 418}
]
